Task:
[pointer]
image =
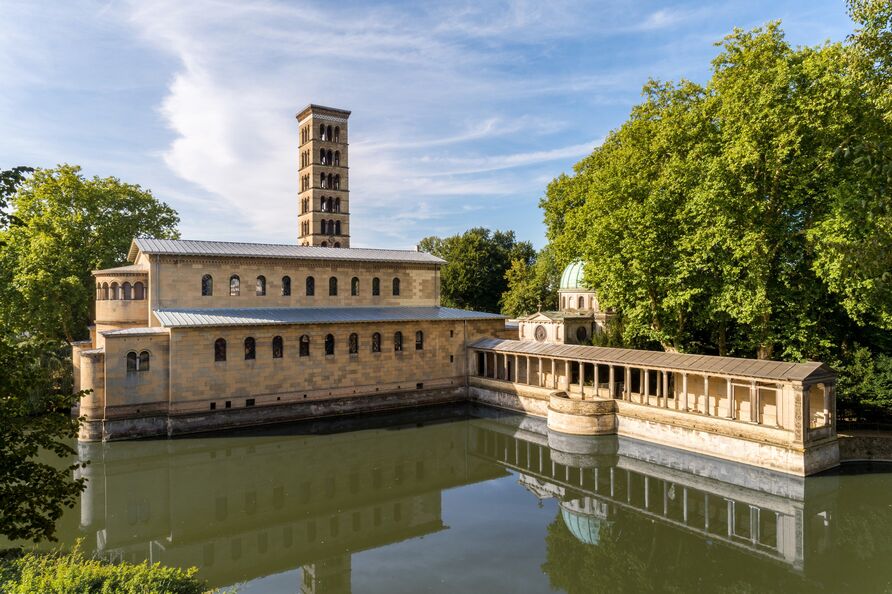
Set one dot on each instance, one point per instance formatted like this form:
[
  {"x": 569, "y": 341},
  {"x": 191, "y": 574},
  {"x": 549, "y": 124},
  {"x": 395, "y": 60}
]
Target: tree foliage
[
  {"x": 532, "y": 286},
  {"x": 35, "y": 400},
  {"x": 70, "y": 226},
  {"x": 476, "y": 262}
]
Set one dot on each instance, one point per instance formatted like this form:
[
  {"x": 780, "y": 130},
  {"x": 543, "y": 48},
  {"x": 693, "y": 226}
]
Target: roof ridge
[{"x": 288, "y": 245}]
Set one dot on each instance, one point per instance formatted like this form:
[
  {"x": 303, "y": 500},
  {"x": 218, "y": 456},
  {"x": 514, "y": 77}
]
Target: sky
[{"x": 462, "y": 112}]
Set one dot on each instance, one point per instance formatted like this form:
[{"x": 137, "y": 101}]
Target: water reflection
[{"x": 628, "y": 516}]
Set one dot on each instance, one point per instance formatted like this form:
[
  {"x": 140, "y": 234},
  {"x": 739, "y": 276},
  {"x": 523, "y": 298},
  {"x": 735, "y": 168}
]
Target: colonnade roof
[
  {"x": 762, "y": 369},
  {"x": 130, "y": 269}
]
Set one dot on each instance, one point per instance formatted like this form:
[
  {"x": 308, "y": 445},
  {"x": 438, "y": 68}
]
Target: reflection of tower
[
  {"x": 323, "y": 199},
  {"x": 327, "y": 576}
]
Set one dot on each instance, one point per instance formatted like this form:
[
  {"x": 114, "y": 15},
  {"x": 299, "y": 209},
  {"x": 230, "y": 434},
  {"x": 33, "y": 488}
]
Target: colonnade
[{"x": 785, "y": 405}]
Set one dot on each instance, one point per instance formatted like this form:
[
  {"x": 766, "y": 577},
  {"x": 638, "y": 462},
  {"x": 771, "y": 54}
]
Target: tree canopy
[
  {"x": 476, "y": 262},
  {"x": 70, "y": 226}
]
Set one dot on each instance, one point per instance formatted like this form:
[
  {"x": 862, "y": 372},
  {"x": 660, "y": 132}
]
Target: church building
[{"x": 202, "y": 335}]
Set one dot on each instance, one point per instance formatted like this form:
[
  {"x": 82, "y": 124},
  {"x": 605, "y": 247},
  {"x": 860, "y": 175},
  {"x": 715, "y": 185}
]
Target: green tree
[
  {"x": 70, "y": 226},
  {"x": 476, "y": 262},
  {"x": 531, "y": 286},
  {"x": 35, "y": 400}
]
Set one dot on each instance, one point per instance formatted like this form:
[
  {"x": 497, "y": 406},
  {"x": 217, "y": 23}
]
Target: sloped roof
[
  {"x": 559, "y": 315},
  {"x": 266, "y": 316},
  {"x": 708, "y": 364},
  {"x": 185, "y": 247},
  {"x": 130, "y": 269},
  {"x": 145, "y": 331}
]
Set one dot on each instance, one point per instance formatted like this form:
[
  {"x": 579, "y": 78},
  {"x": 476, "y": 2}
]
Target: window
[
  {"x": 234, "y": 285},
  {"x": 582, "y": 303},
  {"x": 354, "y": 344},
  {"x": 376, "y": 286},
  {"x": 144, "y": 361},
  {"x": 337, "y": 134},
  {"x": 286, "y": 286},
  {"x": 261, "y": 286},
  {"x": 337, "y": 244},
  {"x": 540, "y": 333},
  {"x": 329, "y": 344},
  {"x": 311, "y": 286},
  {"x": 127, "y": 290},
  {"x": 419, "y": 341},
  {"x": 337, "y": 158},
  {"x": 581, "y": 334},
  {"x": 337, "y": 205},
  {"x": 137, "y": 362},
  {"x": 354, "y": 286},
  {"x": 132, "y": 361},
  {"x": 278, "y": 347},
  {"x": 376, "y": 342},
  {"x": 337, "y": 229},
  {"x": 396, "y": 287},
  {"x": 115, "y": 293},
  {"x": 220, "y": 350},
  {"x": 398, "y": 341},
  {"x": 322, "y": 132},
  {"x": 105, "y": 290},
  {"x": 207, "y": 285},
  {"x": 337, "y": 181},
  {"x": 328, "y": 133},
  {"x": 333, "y": 286},
  {"x": 304, "y": 346},
  {"x": 250, "y": 349},
  {"x": 139, "y": 291}
]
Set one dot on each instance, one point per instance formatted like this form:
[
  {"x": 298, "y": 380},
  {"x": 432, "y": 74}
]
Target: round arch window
[
  {"x": 581, "y": 334},
  {"x": 541, "y": 333}
]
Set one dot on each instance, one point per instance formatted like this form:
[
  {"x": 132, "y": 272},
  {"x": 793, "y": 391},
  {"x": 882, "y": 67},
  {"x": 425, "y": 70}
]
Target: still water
[{"x": 467, "y": 499}]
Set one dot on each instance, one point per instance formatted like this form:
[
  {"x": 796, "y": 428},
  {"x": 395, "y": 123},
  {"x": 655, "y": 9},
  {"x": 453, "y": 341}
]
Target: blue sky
[{"x": 462, "y": 111}]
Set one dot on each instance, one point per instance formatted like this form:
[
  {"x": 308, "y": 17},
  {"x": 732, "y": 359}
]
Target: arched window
[
  {"x": 311, "y": 286},
  {"x": 330, "y": 180},
  {"x": 328, "y": 158},
  {"x": 337, "y": 157},
  {"x": 304, "y": 350},
  {"x": 376, "y": 342},
  {"x": 98, "y": 291},
  {"x": 322, "y": 132},
  {"x": 337, "y": 244},
  {"x": 324, "y": 204},
  {"x": 127, "y": 291},
  {"x": 376, "y": 286},
  {"x": 328, "y": 133},
  {"x": 398, "y": 341},
  {"x": 337, "y": 205},
  {"x": 322, "y": 183},
  {"x": 333, "y": 286},
  {"x": 322, "y": 156},
  {"x": 286, "y": 286},
  {"x": 323, "y": 224},
  {"x": 329, "y": 344},
  {"x": 337, "y": 229},
  {"x": 220, "y": 349},
  {"x": 261, "y": 286},
  {"x": 278, "y": 347},
  {"x": 115, "y": 291},
  {"x": 396, "y": 287},
  {"x": 324, "y": 244},
  {"x": 581, "y": 302},
  {"x": 144, "y": 361},
  {"x": 250, "y": 349},
  {"x": 132, "y": 361},
  {"x": 419, "y": 341},
  {"x": 105, "y": 290},
  {"x": 354, "y": 343},
  {"x": 139, "y": 291},
  {"x": 337, "y": 182},
  {"x": 207, "y": 285},
  {"x": 337, "y": 134},
  {"x": 331, "y": 227},
  {"x": 234, "y": 285},
  {"x": 354, "y": 286}
]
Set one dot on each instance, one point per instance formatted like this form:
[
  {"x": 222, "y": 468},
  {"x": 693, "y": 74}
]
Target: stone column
[
  {"x": 666, "y": 390},
  {"x": 684, "y": 389},
  {"x": 706, "y": 392},
  {"x": 485, "y": 357},
  {"x": 581, "y": 378},
  {"x": 646, "y": 388},
  {"x": 528, "y": 369},
  {"x": 627, "y": 384},
  {"x": 610, "y": 381},
  {"x": 827, "y": 391},
  {"x": 595, "y": 380},
  {"x": 754, "y": 405},
  {"x": 800, "y": 412},
  {"x": 730, "y": 390},
  {"x": 553, "y": 376}
]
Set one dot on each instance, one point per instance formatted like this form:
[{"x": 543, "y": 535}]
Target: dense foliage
[
  {"x": 752, "y": 215},
  {"x": 532, "y": 286},
  {"x": 68, "y": 227},
  {"x": 35, "y": 573},
  {"x": 476, "y": 262}
]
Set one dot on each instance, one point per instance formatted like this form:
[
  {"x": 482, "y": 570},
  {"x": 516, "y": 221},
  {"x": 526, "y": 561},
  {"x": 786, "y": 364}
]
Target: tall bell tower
[{"x": 324, "y": 197}]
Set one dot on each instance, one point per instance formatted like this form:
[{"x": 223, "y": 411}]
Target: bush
[
  {"x": 72, "y": 573},
  {"x": 865, "y": 387}
]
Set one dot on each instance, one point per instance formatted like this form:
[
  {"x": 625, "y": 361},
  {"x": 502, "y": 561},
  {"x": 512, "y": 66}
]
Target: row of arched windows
[
  {"x": 331, "y": 204},
  {"x": 330, "y": 227},
  {"x": 328, "y": 181},
  {"x": 326, "y": 133},
  {"x": 207, "y": 286},
  {"x": 304, "y": 182},
  {"x": 126, "y": 291},
  {"x": 568, "y": 302},
  {"x": 278, "y": 346},
  {"x": 138, "y": 362},
  {"x": 326, "y": 157}
]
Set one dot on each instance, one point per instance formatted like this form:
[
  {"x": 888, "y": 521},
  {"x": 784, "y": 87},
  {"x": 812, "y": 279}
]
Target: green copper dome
[
  {"x": 572, "y": 276},
  {"x": 586, "y": 528}
]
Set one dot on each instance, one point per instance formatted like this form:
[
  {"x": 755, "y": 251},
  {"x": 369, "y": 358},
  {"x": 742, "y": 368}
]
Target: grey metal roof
[
  {"x": 264, "y": 316},
  {"x": 184, "y": 247},
  {"x": 729, "y": 366},
  {"x": 135, "y": 332},
  {"x": 131, "y": 269}
]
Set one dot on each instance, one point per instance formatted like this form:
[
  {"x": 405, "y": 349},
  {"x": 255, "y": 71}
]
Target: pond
[{"x": 465, "y": 498}]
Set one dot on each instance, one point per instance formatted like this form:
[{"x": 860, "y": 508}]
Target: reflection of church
[
  {"x": 579, "y": 318},
  {"x": 250, "y": 505}
]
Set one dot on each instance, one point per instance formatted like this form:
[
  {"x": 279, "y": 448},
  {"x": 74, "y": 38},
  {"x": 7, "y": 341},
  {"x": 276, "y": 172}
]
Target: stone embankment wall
[{"x": 859, "y": 446}]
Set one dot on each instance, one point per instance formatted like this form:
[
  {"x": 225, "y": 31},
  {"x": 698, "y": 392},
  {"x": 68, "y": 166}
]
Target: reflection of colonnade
[{"x": 756, "y": 511}]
